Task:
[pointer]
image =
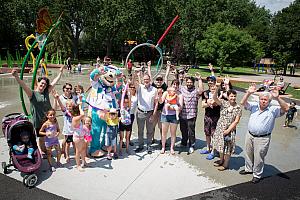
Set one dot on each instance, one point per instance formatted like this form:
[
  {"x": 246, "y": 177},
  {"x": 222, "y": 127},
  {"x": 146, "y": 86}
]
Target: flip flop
[{"x": 222, "y": 168}]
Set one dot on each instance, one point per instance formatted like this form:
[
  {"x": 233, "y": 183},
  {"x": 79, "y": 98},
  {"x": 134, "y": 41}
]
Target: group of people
[{"x": 154, "y": 103}]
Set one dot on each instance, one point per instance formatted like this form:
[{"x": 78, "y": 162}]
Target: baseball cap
[
  {"x": 213, "y": 78},
  {"x": 113, "y": 110},
  {"x": 159, "y": 77}
]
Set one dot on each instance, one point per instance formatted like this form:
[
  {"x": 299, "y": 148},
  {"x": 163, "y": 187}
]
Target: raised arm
[
  {"x": 76, "y": 119},
  {"x": 57, "y": 100},
  {"x": 275, "y": 94},
  {"x": 211, "y": 68},
  {"x": 200, "y": 83},
  {"x": 251, "y": 90},
  {"x": 26, "y": 89},
  {"x": 167, "y": 72},
  {"x": 215, "y": 95},
  {"x": 149, "y": 69},
  {"x": 55, "y": 81}
]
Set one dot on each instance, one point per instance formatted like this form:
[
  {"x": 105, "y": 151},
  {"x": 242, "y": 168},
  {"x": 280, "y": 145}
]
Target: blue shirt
[{"x": 262, "y": 122}]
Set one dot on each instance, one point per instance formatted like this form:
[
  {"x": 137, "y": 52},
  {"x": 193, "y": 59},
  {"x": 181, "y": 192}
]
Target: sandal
[
  {"x": 222, "y": 168},
  {"x": 109, "y": 157},
  {"x": 162, "y": 151},
  {"x": 218, "y": 163}
]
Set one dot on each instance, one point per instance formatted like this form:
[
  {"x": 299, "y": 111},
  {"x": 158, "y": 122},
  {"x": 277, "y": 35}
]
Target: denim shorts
[{"x": 169, "y": 119}]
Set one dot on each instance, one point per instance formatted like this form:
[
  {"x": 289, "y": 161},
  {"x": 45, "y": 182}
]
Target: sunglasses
[
  {"x": 68, "y": 88},
  {"x": 132, "y": 87}
]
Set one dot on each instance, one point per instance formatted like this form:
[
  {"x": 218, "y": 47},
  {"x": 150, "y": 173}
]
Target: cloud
[{"x": 274, "y": 5}]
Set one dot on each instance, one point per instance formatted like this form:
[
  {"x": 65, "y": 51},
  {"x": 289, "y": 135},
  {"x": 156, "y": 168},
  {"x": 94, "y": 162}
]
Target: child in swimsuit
[{"x": 51, "y": 130}]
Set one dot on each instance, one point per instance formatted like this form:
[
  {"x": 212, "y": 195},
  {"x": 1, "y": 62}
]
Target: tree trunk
[{"x": 108, "y": 47}]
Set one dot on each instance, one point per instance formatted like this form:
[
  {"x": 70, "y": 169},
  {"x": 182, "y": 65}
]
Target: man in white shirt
[{"x": 146, "y": 110}]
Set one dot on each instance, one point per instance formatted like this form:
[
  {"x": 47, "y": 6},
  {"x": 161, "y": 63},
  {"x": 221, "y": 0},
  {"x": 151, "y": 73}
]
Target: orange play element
[{"x": 44, "y": 22}]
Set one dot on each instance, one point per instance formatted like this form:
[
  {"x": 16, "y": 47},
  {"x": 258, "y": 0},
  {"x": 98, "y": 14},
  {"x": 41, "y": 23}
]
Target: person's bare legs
[
  {"x": 42, "y": 146},
  {"x": 58, "y": 155},
  {"x": 67, "y": 152},
  {"x": 208, "y": 142},
  {"x": 121, "y": 142},
  {"x": 79, "y": 146},
  {"x": 127, "y": 141},
  {"x": 165, "y": 127},
  {"x": 173, "y": 129}
]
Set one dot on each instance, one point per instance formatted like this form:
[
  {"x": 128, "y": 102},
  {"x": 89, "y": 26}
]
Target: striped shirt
[{"x": 190, "y": 102}]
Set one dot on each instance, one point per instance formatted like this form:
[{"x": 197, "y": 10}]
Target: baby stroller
[{"x": 13, "y": 125}]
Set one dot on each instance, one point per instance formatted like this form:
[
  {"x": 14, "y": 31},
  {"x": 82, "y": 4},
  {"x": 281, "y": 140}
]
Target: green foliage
[
  {"x": 228, "y": 45},
  {"x": 285, "y": 35}
]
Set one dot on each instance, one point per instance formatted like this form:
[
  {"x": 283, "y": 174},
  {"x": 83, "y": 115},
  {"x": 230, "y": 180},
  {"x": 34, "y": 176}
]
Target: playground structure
[
  {"x": 44, "y": 30},
  {"x": 156, "y": 47},
  {"x": 265, "y": 65}
]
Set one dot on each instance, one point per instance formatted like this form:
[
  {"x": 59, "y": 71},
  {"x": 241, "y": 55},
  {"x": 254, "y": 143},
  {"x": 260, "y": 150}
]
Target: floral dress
[{"x": 228, "y": 114}]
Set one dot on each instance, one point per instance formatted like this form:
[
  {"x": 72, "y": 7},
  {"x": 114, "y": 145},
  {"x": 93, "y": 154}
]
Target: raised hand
[
  {"x": 226, "y": 80},
  {"x": 55, "y": 94},
  {"x": 168, "y": 62},
  {"x": 198, "y": 75},
  {"x": 252, "y": 88},
  {"x": 14, "y": 72},
  {"x": 149, "y": 63},
  {"x": 61, "y": 69},
  {"x": 210, "y": 66},
  {"x": 274, "y": 92}
]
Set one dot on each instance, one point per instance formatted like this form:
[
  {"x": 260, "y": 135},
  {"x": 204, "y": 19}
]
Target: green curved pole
[
  {"x": 21, "y": 76},
  {"x": 37, "y": 64}
]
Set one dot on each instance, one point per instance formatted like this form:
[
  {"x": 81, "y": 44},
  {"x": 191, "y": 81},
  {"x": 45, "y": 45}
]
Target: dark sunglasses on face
[{"x": 68, "y": 88}]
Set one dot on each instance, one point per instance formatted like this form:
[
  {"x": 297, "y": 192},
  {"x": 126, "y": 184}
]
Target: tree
[
  {"x": 285, "y": 35},
  {"x": 228, "y": 45}
]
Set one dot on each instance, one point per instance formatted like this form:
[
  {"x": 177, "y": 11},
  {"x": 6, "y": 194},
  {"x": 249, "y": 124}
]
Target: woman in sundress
[{"x": 224, "y": 136}]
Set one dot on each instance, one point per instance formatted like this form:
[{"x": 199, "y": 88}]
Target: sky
[{"x": 274, "y": 5}]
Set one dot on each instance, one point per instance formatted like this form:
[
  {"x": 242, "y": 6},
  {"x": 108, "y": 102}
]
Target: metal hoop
[{"x": 160, "y": 61}]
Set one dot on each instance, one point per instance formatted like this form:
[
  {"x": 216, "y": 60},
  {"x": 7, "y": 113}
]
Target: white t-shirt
[
  {"x": 146, "y": 97},
  {"x": 67, "y": 129}
]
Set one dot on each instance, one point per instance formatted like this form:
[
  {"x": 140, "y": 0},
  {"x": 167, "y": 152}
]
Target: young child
[
  {"x": 67, "y": 131},
  {"x": 78, "y": 136},
  {"x": 171, "y": 101},
  {"x": 50, "y": 129},
  {"x": 20, "y": 147},
  {"x": 87, "y": 129},
  {"x": 112, "y": 121},
  {"x": 125, "y": 123},
  {"x": 78, "y": 92},
  {"x": 290, "y": 114}
]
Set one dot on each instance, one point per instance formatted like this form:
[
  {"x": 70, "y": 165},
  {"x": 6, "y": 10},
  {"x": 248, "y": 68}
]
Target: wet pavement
[{"x": 283, "y": 155}]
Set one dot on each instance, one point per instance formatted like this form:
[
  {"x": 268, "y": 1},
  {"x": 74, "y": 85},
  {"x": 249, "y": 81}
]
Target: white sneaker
[{"x": 191, "y": 150}]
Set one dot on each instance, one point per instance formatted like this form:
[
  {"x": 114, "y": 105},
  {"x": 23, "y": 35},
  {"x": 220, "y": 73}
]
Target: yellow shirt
[{"x": 112, "y": 122}]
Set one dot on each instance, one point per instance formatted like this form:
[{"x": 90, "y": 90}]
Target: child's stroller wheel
[
  {"x": 4, "y": 167},
  {"x": 25, "y": 179},
  {"x": 31, "y": 180}
]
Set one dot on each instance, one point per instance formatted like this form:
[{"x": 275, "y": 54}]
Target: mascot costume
[{"x": 101, "y": 98}]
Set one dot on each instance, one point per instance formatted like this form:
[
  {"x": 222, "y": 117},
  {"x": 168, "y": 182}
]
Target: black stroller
[{"x": 12, "y": 126}]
